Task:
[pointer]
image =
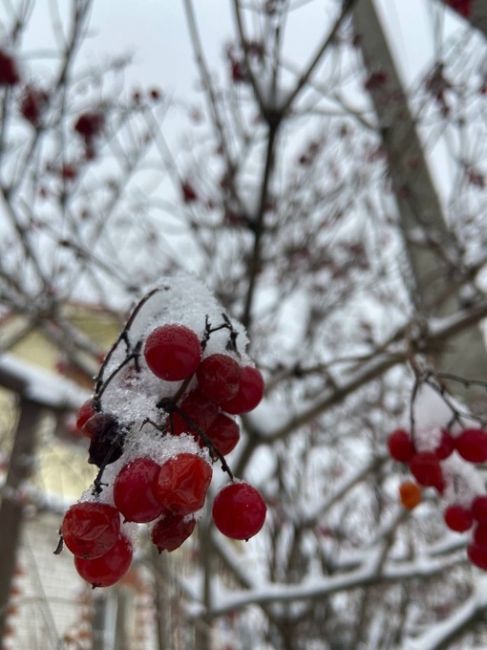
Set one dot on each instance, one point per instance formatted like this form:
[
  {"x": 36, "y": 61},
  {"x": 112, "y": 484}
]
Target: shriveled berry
[
  {"x": 410, "y": 494},
  {"x": 479, "y": 509},
  {"x": 106, "y": 570},
  {"x": 401, "y": 447},
  {"x": 182, "y": 483},
  {"x": 133, "y": 491},
  {"x": 172, "y": 352},
  {"x": 426, "y": 469},
  {"x": 188, "y": 192},
  {"x": 250, "y": 392},
  {"x": 458, "y": 518},
  {"x": 9, "y": 74},
  {"x": 89, "y": 125},
  {"x": 471, "y": 444},
  {"x": 171, "y": 531},
  {"x": 90, "y": 529},
  {"x": 195, "y": 414},
  {"x": 107, "y": 439},
  {"x": 477, "y": 555},
  {"x": 32, "y": 104},
  {"x": 224, "y": 434},
  {"x": 239, "y": 511},
  {"x": 86, "y": 411},
  {"x": 446, "y": 445},
  {"x": 219, "y": 377}
]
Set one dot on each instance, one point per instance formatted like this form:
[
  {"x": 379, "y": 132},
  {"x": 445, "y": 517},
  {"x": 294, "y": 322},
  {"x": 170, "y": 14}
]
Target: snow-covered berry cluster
[
  {"x": 446, "y": 460},
  {"x": 160, "y": 417}
]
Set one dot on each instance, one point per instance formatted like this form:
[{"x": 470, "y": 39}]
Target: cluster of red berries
[
  {"x": 426, "y": 467},
  {"x": 168, "y": 490}
]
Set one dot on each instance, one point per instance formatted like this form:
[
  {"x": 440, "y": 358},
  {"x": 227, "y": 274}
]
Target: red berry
[
  {"x": 195, "y": 414},
  {"x": 458, "y": 518},
  {"x": 224, "y": 434},
  {"x": 477, "y": 555},
  {"x": 401, "y": 447},
  {"x": 109, "y": 568},
  {"x": 219, "y": 377},
  {"x": 9, "y": 75},
  {"x": 239, "y": 511},
  {"x": 446, "y": 446},
  {"x": 188, "y": 192},
  {"x": 480, "y": 534},
  {"x": 479, "y": 509},
  {"x": 250, "y": 392},
  {"x": 32, "y": 104},
  {"x": 463, "y": 7},
  {"x": 171, "y": 531},
  {"x": 89, "y": 124},
  {"x": 471, "y": 444},
  {"x": 90, "y": 529},
  {"x": 86, "y": 411},
  {"x": 426, "y": 469},
  {"x": 133, "y": 491},
  {"x": 182, "y": 484},
  {"x": 172, "y": 352}
]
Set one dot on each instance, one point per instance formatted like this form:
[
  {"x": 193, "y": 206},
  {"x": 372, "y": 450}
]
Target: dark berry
[
  {"x": 9, "y": 75},
  {"x": 89, "y": 125},
  {"x": 107, "y": 439}
]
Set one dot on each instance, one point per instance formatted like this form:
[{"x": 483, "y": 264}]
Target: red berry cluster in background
[
  {"x": 430, "y": 469},
  {"x": 160, "y": 417}
]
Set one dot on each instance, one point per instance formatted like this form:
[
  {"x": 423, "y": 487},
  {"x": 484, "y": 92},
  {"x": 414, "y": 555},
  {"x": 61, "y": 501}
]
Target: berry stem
[{"x": 213, "y": 450}]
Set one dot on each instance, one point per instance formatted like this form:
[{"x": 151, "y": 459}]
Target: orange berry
[{"x": 409, "y": 494}]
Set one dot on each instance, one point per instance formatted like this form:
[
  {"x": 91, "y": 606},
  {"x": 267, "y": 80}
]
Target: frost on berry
[
  {"x": 157, "y": 425},
  {"x": 90, "y": 530}
]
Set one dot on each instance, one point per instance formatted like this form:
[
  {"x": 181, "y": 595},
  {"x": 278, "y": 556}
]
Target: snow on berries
[
  {"x": 160, "y": 419},
  {"x": 442, "y": 454}
]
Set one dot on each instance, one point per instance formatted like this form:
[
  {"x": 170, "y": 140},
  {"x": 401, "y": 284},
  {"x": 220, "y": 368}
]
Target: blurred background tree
[{"x": 337, "y": 210}]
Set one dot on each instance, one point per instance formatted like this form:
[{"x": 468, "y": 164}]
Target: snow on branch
[
  {"x": 366, "y": 576},
  {"x": 40, "y": 386}
]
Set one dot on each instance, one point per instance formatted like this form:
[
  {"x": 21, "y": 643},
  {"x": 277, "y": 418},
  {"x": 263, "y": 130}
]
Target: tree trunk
[
  {"x": 11, "y": 509},
  {"x": 423, "y": 227}
]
